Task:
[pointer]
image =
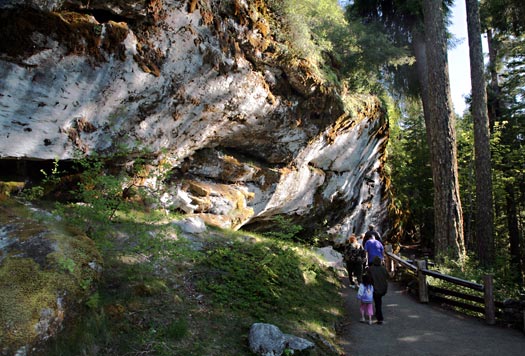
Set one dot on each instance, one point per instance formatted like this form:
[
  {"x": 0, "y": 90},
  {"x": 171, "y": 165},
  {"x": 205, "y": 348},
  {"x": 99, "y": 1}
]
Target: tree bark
[
  {"x": 484, "y": 203},
  {"x": 494, "y": 104},
  {"x": 419, "y": 47},
  {"x": 448, "y": 215},
  {"x": 514, "y": 233}
]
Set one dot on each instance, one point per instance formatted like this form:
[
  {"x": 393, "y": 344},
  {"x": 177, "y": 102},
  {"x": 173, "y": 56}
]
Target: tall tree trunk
[
  {"x": 419, "y": 47},
  {"x": 494, "y": 105},
  {"x": 448, "y": 216},
  {"x": 514, "y": 234},
  {"x": 484, "y": 207}
]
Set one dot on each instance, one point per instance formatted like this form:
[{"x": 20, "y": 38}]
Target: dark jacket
[
  {"x": 379, "y": 276},
  {"x": 371, "y": 233}
]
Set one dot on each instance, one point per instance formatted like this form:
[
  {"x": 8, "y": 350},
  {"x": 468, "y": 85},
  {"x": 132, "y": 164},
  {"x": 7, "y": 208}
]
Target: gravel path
[{"x": 415, "y": 329}]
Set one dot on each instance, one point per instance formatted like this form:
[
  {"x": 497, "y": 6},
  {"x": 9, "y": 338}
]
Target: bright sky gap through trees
[{"x": 458, "y": 58}]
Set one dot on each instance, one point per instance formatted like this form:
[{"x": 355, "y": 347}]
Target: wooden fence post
[
  {"x": 422, "y": 281},
  {"x": 490, "y": 308}
]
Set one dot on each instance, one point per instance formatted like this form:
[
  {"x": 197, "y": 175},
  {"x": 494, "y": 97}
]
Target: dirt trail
[{"x": 415, "y": 329}]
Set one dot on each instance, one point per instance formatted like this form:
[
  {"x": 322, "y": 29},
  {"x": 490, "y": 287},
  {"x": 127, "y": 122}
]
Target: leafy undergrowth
[{"x": 167, "y": 295}]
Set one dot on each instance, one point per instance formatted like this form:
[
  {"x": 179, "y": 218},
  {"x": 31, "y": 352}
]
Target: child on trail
[{"x": 366, "y": 295}]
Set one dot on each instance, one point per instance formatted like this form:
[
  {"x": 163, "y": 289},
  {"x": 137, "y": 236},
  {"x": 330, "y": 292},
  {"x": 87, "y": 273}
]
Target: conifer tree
[{"x": 484, "y": 208}]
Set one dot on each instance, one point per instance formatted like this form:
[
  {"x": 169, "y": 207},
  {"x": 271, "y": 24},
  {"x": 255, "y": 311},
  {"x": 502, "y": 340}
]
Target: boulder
[
  {"x": 268, "y": 340},
  {"x": 192, "y": 225},
  {"x": 331, "y": 258}
]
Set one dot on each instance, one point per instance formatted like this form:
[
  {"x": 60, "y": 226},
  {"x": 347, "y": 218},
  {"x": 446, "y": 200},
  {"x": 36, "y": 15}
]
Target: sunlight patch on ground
[
  {"x": 132, "y": 260},
  {"x": 316, "y": 327},
  {"x": 409, "y": 339}
]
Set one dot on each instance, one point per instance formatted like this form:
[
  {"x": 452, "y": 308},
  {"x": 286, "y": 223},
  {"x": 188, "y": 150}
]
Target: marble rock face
[{"x": 243, "y": 133}]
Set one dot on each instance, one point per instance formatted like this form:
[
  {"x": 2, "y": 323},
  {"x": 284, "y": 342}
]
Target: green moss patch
[
  {"x": 25, "y": 290},
  {"x": 43, "y": 273},
  {"x": 8, "y": 188}
]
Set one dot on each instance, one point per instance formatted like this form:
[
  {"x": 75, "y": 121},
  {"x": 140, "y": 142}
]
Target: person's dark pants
[
  {"x": 378, "y": 302},
  {"x": 355, "y": 270}
]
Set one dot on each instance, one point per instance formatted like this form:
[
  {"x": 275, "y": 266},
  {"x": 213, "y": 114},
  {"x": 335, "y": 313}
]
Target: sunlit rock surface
[{"x": 201, "y": 85}]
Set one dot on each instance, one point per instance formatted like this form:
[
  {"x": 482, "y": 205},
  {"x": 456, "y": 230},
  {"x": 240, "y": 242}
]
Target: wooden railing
[{"x": 420, "y": 271}]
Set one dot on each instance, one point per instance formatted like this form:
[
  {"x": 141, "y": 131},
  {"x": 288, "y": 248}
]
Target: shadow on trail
[{"x": 416, "y": 329}]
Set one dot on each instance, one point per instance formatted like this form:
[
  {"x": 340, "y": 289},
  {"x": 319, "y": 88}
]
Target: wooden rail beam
[
  {"x": 472, "y": 298},
  {"x": 455, "y": 303},
  {"x": 401, "y": 261},
  {"x": 455, "y": 280}
]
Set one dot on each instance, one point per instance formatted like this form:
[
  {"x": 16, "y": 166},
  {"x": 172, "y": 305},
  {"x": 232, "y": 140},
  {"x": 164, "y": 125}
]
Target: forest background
[{"x": 383, "y": 30}]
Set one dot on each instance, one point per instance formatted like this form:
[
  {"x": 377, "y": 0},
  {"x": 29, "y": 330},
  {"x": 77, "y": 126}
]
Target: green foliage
[
  {"x": 312, "y": 29},
  {"x": 505, "y": 15},
  {"x": 504, "y": 285},
  {"x": 467, "y": 177},
  {"x": 200, "y": 302},
  {"x": 176, "y": 330},
  {"x": 507, "y": 143},
  {"x": 53, "y": 176},
  {"x": 93, "y": 301},
  {"x": 320, "y": 237},
  {"x": 101, "y": 192},
  {"x": 310, "y": 26},
  {"x": 67, "y": 264},
  {"x": 266, "y": 279},
  {"x": 410, "y": 171},
  {"x": 105, "y": 198},
  {"x": 85, "y": 338},
  {"x": 385, "y": 33},
  {"x": 375, "y": 59},
  {"x": 340, "y": 47},
  {"x": 286, "y": 230},
  {"x": 251, "y": 277},
  {"x": 33, "y": 193},
  {"x": 50, "y": 179}
]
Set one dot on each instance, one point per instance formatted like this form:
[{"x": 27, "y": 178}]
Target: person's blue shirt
[{"x": 374, "y": 248}]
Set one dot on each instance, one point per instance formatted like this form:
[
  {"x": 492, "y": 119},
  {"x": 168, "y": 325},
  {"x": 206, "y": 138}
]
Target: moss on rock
[
  {"x": 7, "y": 188},
  {"x": 45, "y": 272}
]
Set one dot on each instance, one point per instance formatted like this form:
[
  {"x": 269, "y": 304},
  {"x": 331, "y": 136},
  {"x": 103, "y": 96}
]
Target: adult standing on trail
[
  {"x": 371, "y": 232},
  {"x": 374, "y": 248},
  {"x": 379, "y": 277},
  {"x": 354, "y": 256}
]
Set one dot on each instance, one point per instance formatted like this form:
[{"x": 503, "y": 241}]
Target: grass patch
[
  {"x": 201, "y": 297},
  {"x": 163, "y": 293}
]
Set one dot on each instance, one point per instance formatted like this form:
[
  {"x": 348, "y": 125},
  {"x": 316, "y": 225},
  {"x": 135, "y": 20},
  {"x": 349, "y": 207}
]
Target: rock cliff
[{"x": 244, "y": 129}]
